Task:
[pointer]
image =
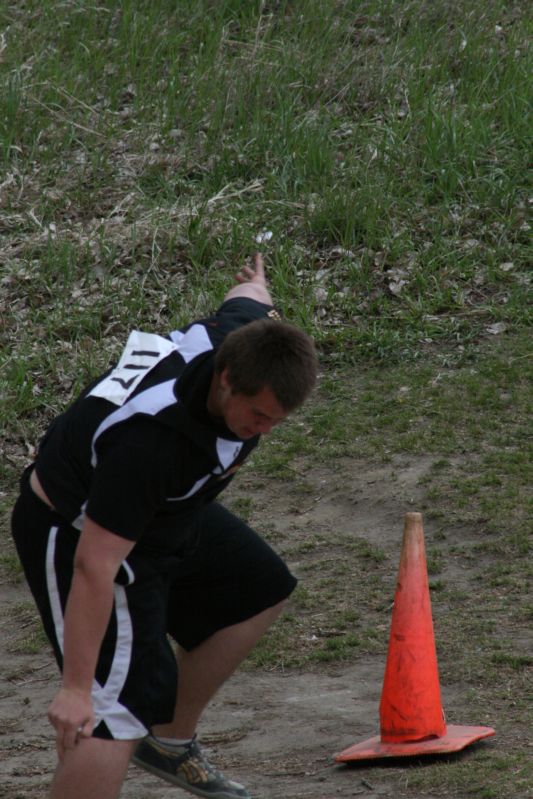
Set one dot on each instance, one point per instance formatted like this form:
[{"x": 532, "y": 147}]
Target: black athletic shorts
[{"x": 228, "y": 576}]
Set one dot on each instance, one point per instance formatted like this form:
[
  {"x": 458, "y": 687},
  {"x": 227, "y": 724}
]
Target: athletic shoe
[{"x": 187, "y": 767}]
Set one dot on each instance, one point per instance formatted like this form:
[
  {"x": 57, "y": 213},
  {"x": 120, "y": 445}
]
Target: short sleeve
[
  {"x": 130, "y": 480},
  {"x": 241, "y": 310}
]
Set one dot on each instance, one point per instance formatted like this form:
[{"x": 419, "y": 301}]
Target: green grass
[
  {"x": 386, "y": 154},
  {"x": 11, "y": 567},
  {"x": 485, "y": 776}
]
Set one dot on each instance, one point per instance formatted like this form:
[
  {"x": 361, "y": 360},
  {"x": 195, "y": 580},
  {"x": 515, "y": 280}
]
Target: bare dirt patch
[{"x": 276, "y": 729}]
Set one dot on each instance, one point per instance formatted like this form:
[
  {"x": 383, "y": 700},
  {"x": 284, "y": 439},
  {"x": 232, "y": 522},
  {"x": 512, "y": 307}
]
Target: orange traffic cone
[{"x": 411, "y": 717}]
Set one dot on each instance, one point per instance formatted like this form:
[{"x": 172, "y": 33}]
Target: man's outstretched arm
[{"x": 251, "y": 283}]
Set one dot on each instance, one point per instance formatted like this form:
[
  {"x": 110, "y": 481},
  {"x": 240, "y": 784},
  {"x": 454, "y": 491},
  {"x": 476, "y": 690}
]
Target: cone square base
[{"x": 456, "y": 738}]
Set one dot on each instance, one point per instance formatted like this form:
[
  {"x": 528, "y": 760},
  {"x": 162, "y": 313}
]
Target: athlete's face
[{"x": 248, "y": 416}]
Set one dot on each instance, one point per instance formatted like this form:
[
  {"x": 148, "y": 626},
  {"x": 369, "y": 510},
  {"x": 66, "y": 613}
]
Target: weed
[
  {"x": 515, "y": 662},
  {"x": 11, "y": 565}
]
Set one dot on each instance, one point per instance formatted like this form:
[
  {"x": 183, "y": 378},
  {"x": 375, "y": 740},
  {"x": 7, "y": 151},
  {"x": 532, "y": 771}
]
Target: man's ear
[{"x": 223, "y": 379}]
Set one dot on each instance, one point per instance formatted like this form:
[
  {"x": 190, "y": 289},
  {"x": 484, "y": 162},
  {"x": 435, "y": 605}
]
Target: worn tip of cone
[
  {"x": 456, "y": 738},
  {"x": 413, "y": 523}
]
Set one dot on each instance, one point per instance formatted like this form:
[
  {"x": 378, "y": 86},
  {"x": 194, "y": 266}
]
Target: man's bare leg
[
  {"x": 94, "y": 769},
  {"x": 204, "y": 669}
]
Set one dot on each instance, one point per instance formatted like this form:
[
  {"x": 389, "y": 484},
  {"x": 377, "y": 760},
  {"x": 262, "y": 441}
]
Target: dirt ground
[{"x": 274, "y": 731}]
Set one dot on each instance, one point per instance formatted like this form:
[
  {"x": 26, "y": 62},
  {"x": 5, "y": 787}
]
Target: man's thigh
[{"x": 232, "y": 575}]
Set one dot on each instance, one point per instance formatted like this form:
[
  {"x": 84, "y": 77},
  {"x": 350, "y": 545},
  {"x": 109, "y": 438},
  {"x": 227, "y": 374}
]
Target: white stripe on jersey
[
  {"x": 155, "y": 399},
  {"x": 188, "y": 345},
  {"x": 196, "y": 487},
  {"x": 150, "y": 402},
  {"x": 192, "y": 343},
  {"x": 228, "y": 451}
]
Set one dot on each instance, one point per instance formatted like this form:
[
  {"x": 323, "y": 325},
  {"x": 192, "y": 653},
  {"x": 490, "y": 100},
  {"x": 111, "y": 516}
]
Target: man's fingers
[
  {"x": 245, "y": 275},
  {"x": 259, "y": 264},
  {"x": 60, "y": 748},
  {"x": 68, "y": 739},
  {"x": 86, "y": 730},
  {"x": 65, "y": 740},
  {"x": 249, "y": 273}
]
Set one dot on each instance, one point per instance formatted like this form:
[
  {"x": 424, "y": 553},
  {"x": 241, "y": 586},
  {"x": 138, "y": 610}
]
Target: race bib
[{"x": 142, "y": 352}]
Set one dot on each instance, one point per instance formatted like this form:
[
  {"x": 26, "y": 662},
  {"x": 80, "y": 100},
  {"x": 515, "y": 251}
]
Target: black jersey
[{"x": 138, "y": 451}]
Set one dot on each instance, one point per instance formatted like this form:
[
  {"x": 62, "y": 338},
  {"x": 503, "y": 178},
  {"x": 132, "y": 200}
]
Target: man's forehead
[{"x": 265, "y": 403}]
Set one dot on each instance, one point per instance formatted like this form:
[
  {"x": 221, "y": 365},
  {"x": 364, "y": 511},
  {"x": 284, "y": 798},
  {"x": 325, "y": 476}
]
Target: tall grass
[{"x": 145, "y": 146}]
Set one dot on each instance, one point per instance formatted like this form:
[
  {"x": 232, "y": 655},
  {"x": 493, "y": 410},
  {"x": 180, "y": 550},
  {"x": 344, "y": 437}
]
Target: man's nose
[{"x": 264, "y": 426}]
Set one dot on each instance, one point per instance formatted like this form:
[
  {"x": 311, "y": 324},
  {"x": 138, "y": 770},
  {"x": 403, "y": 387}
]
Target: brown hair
[{"x": 268, "y": 353}]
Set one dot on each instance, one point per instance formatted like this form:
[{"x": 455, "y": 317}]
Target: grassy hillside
[{"x": 376, "y": 152}]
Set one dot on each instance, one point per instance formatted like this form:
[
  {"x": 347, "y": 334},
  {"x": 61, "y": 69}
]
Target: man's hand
[
  {"x": 71, "y": 714},
  {"x": 252, "y": 283},
  {"x": 254, "y": 275}
]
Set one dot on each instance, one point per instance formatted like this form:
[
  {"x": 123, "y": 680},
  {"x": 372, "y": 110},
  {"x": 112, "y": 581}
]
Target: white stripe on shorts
[{"x": 121, "y": 723}]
